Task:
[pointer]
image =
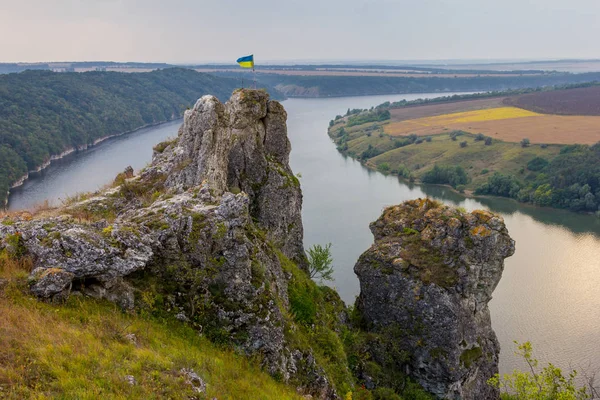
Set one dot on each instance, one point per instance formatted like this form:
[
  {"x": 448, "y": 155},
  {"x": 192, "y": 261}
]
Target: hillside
[
  {"x": 43, "y": 114},
  {"x": 307, "y": 84},
  {"x": 500, "y": 144},
  {"x": 89, "y": 349},
  {"x": 207, "y": 243}
]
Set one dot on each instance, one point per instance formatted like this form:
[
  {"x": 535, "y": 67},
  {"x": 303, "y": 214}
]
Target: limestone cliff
[
  {"x": 211, "y": 233},
  {"x": 425, "y": 285},
  {"x": 202, "y": 233}
]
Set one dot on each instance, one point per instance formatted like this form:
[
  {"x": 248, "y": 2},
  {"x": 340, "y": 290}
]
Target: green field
[{"x": 412, "y": 161}]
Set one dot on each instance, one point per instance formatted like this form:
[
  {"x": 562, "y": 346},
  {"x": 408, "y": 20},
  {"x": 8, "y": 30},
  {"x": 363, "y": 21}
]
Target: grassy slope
[
  {"x": 504, "y": 157},
  {"x": 79, "y": 350}
]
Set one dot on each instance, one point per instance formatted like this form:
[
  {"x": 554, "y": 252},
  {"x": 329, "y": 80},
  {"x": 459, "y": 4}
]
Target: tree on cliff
[{"x": 319, "y": 262}]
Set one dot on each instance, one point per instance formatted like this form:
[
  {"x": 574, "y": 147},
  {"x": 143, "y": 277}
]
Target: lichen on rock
[
  {"x": 198, "y": 234},
  {"x": 425, "y": 285}
]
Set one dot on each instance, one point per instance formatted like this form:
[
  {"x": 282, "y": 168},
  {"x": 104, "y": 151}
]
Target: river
[{"x": 550, "y": 290}]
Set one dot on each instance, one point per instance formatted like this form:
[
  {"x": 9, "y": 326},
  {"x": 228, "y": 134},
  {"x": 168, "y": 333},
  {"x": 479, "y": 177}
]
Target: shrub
[
  {"x": 488, "y": 141},
  {"x": 463, "y": 144},
  {"x": 479, "y": 137},
  {"x": 537, "y": 164},
  {"x": 446, "y": 175},
  {"x": 549, "y": 383},
  {"x": 319, "y": 262},
  {"x": 525, "y": 142},
  {"x": 428, "y": 139},
  {"x": 543, "y": 146},
  {"x": 419, "y": 141},
  {"x": 384, "y": 167},
  {"x": 385, "y": 394},
  {"x": 484, "y": 171}
]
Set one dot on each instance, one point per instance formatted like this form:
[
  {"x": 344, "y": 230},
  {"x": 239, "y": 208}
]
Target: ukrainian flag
[{"x": 246, "y": 62}]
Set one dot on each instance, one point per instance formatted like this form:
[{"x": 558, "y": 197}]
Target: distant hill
[
  {"x": 43, "y": 114},
  {"x": 311, "y": 85}
]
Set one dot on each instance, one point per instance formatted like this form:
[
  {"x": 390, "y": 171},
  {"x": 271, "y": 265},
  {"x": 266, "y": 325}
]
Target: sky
[{"x": 199, "y": 31}]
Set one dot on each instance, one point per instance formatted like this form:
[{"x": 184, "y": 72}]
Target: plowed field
[{"x": 581, "y": 101}]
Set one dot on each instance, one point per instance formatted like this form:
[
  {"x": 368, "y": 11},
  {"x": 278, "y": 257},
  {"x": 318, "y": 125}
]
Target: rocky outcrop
[
  {"x": 201, "y": 233},
  {"x": 240, "y": 146},
  {"x": 425, "y": 285}
]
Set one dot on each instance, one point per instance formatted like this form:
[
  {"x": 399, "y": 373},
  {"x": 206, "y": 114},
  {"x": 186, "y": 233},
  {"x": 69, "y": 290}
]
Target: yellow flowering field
[{"x": 490, "y": 114}]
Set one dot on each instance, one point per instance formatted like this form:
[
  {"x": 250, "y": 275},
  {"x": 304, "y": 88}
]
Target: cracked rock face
[
  {"x": 199, "y": 233},
  {"x": 241, "y": 146},
  {"x": 425, "y": 285}
]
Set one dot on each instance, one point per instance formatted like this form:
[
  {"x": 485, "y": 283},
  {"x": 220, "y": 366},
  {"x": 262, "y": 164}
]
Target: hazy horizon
[{"x": 185, "y": 31}]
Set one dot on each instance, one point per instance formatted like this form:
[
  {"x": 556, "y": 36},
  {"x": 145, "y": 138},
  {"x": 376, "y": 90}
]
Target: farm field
[
  {"x": 432, "y": 110},
  {"x": 580, "y": 101},
  {"x": 509, "y": 124}
]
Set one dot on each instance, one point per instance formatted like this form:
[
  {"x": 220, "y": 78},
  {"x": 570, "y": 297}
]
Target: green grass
[
  {"x": 81, "y": 350},
  {"x": 505, "y": 157}
]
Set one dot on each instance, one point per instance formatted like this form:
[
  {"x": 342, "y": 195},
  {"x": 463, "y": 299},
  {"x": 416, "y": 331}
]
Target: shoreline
[
  {"x": 467, "y": 194},
  {"x": 77, "y": 149}
]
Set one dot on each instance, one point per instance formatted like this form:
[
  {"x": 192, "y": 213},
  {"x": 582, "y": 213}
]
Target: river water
[{"x": 550, "y": 290}]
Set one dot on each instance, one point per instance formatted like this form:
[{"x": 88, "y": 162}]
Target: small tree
[
  {"x": 488, "y": 141},
  {"x": 463, "y": 144},
  {"x": 525, "y": 142},
  {"x": 319, "y": 262},
  {"x": 479, "y": 137},
  {"x": 549, "y": 383}
]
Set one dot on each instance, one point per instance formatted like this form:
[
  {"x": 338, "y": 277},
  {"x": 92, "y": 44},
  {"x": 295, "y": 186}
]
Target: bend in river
[{"x": 549, "y": 291}]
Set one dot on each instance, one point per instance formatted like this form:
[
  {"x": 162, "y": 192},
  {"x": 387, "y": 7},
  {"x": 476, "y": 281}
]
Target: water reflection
[{"x": 577, "y": 223}]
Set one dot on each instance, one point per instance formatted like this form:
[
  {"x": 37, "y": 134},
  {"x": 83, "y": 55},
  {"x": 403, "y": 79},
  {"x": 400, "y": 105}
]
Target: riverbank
[
  {"x": 470, "y": 162},
  {"x": 83, "y": 148}
]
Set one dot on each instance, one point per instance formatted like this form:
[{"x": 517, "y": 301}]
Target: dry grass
[
  {"x": 439, "y": 123},
  {"x": 544, "y": 129},
  {"x": 84, "y": 349},
  {"x": 509, "y": 124}
]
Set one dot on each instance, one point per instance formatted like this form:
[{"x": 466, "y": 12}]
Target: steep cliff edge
[
  {"x": 205, "y": 233},
  {"x": 210, "y": 234},
  {"x": 425, "y": 285}
]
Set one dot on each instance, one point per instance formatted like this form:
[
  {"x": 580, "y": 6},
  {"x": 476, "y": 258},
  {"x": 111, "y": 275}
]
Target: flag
[{"x": 246, "y": 62}]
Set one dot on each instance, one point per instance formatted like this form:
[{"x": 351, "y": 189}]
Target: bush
[
  {"x": 419, "y": 141},
  {"x": 319, "y": 262},
  {"x": 537, "y": 164},
  {"x": 488, "y": 141},
  {"x": 384, "y": 167},
  {"x": 446, "y": 175},
  {"x": 525, "y": 142},
  {"x": 385, "y": 394},
  {"x": 479, "y": 137},
  {"x": 463, "y": 144},
  {"x": 455, "y": 134},
  {"x": 549, "y": 383},
  {"x": 543, "y": 146},
  {"x": 484, "y": 171},
  {"x": 428, "y": 139}
]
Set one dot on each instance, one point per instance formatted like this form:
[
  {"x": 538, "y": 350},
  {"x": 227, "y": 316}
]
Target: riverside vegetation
[
  {"x": 43, "y": 114},
  {"x": 190, "y": 281},
  {"x": 561, "y": 176}
]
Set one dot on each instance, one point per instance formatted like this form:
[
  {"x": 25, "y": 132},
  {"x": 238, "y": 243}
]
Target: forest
[
  {"x": 571, "y": 181},
  {"x": 333, "y": 86},
  {"x": 43, "y": 113}
]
